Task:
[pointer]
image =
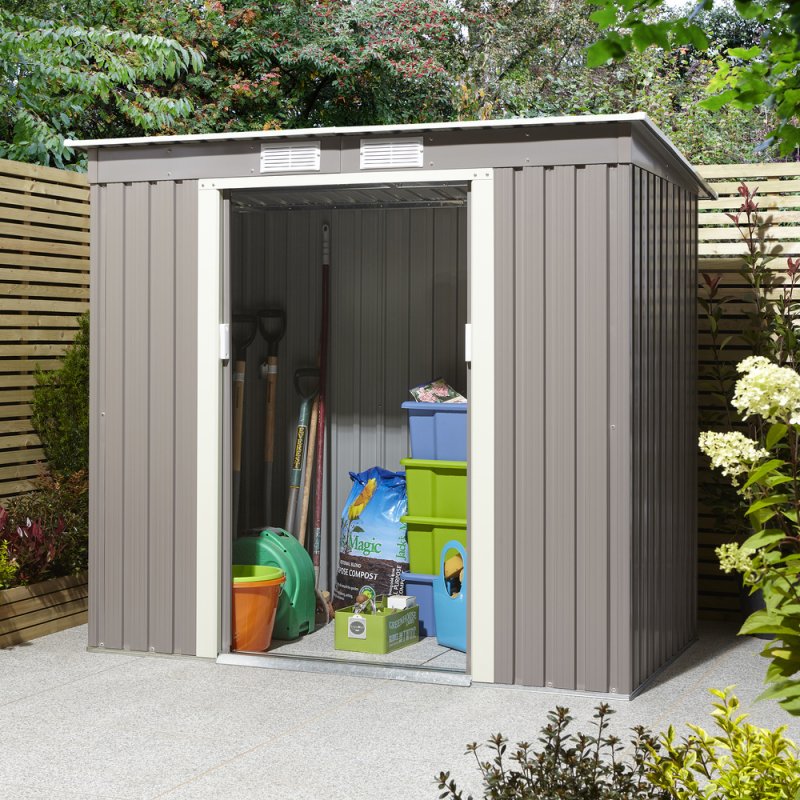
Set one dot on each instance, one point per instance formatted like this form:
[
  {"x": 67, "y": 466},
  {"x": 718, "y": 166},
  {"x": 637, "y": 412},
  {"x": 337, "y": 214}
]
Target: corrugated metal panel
[
  {"x": 144, "y": 394},
  {"x": 594, "y": 389},
  {"x": 664, "y": 392},
  {"x": 398, "y": 303}
]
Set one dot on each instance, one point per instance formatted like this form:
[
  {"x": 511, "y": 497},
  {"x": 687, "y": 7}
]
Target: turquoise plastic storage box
[
  {"x": 451, "y": 612},
  {"x": 438, "y": 431},
  {"x": 421, "y": 586},
  {"x": 274, "y": 547}
]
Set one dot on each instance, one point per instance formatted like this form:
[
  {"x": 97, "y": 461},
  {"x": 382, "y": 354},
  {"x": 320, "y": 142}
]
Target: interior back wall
[{"x": 398, "y": 300}]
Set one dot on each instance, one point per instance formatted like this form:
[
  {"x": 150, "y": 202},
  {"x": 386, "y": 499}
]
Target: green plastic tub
[
  {"x": 427, "y": 536},
  {"x": 436, "y": 488},
  {"x": 381, "y": 633}
]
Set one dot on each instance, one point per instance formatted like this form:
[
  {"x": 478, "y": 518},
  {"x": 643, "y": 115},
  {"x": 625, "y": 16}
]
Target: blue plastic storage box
[
  {"x": 438, "y": 430},
  {"x": 421, "y": 586}
]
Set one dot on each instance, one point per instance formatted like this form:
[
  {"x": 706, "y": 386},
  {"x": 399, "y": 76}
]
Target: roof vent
[
  {"x": 290, "y": 157},
  {"x": 389, "y": 153}
]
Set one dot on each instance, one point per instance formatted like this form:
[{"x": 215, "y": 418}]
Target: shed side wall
[
  {"x": 143, "y": 417},
  {"x": 664, "y": 445},
  {"x": 562, "y": 245}
]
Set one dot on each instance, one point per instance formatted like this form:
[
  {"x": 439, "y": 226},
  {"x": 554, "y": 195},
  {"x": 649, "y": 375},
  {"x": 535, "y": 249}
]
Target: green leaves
[{"x": 57, "y": 80}]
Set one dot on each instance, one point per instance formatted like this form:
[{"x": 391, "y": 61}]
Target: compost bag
[{"x": 373, "y": 548}]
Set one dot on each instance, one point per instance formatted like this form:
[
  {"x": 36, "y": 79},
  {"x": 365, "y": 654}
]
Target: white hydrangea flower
[
  {"x": 734, "y": 558},
  {"x": 732, "y": 452},
  {"x": 767, "y": 390}
]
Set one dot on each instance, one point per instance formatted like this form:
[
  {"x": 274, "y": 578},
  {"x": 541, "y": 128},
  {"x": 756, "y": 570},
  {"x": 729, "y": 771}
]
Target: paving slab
[{"x": 103, "y": 726}]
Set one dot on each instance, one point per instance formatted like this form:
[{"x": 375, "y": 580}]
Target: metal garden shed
[{"x": 546, "y": 266}]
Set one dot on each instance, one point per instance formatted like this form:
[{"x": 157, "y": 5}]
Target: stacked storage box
[{"x": 436, "y": 479}]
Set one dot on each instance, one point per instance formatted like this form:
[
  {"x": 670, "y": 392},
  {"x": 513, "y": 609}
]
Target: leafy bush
[
  {"x": 8, "y": 567},
  {"x": 45, "y": 532},
  {"x": 742, "y": 762},
  {"x": 61, "y": 407},
  {"x": 572, "y": 767}
]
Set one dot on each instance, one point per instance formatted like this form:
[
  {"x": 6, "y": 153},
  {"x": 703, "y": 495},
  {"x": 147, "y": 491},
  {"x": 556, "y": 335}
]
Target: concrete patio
[{"x": 84, "y": 726}]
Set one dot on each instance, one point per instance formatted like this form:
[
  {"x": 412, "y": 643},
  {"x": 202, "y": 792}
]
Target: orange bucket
[{"x": 256, "y": 590}]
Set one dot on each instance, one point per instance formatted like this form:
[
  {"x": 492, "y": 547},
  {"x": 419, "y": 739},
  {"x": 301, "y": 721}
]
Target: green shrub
[
  {"x": 570, "y": 767},
  {"x": 61, "y": 407},
  {"x": 8, "y": 567},
  {"x": 741, "y": 762}
]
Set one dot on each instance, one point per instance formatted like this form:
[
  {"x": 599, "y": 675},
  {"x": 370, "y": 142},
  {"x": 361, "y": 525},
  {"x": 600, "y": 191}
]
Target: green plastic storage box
[
  {"x": 436, "y": 488},
  {"x": 387, "y": 630},
  {"x": 427, "y": 536},
  {"x": 274, "y": 547}
]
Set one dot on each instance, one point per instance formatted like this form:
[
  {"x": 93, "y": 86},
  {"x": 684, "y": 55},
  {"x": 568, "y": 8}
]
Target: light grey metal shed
[{"x": 547, "y": 266}]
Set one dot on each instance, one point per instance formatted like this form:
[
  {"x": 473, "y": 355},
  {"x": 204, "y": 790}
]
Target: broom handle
[{"x": 309, "y": 467}]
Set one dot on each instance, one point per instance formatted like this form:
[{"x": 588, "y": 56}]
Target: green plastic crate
[
  {"x": 426, "y": 538},
  {"x": 436, "y": 488},
  {"x": 380, "y": 633}
]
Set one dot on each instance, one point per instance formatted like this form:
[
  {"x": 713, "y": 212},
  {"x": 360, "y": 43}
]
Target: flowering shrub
[{"x": 769, "y": 560}]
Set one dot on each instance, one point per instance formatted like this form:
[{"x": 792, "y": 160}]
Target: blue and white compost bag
[{"x": 373, "y": 547}]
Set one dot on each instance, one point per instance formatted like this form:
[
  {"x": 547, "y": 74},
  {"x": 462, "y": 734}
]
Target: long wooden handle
[
  {"x": 309, "y": 469},
  {"x": 238, "y": 413},
  {"x": 272, "y": 390}
]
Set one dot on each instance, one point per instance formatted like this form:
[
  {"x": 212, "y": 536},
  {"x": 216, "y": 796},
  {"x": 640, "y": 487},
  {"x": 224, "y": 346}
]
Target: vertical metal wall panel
[
  {"x": 186, "y": 389},
  {"x": 663, "y": 394},
  {"x": 504, "y": 428},
  {"x": 161, "y": 388},
  {"x": 560, "y": 441},
  {"x": 112, "y": 416},
  {"x": 143, "y": 414},
  {"x": 96, "y": 468},
  {"x": 525, "y": 371},
  {"x": 136, "y": 438},
  {"x": 397, "y": 277},
  {"x": 622, "y": 364},
  {"x": 591, "y": 428}
]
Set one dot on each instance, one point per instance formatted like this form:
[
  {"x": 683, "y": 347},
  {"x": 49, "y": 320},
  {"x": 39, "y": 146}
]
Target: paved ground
[{"x": 78, "y": 725}]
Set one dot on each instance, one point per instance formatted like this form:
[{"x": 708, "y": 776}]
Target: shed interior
[{"x": 398, "y": 306}]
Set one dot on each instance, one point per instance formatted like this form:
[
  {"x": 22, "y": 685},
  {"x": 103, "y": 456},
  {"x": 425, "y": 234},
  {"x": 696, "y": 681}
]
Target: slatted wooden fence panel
[
  {"x": 720, "y": 251},
  {"x": 44, "y": 287}
]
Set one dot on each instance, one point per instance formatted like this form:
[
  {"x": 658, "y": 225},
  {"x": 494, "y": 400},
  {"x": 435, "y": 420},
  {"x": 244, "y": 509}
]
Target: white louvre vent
[
  {"x": 388, "y": 153},
  {"x": 285, "y": 157}
]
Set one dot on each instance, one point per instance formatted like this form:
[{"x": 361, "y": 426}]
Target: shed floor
[
  {"x": 426, "y": 653},
  {"x": 86, "y": 726}
]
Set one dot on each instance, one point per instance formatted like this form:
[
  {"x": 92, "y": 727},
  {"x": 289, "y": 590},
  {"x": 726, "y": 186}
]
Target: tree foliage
[
  {"x": 57, "y": 78},
  {"x": 765, "y": 73}
]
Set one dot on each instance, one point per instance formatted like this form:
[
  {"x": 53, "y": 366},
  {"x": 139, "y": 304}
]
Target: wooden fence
[
  {"x": 44, "y": 287},
  {"x": 720, "y": 253}
]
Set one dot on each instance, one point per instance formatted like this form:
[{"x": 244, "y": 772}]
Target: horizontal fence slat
[
  {"x": 12, "y": 488},
  {"x": 31, "y": 455},
  {"x": 40, "y": 232},
  {"x": 15, "y": 411},
  {"x": 20, "y": 471},
  {"x": 32, "y": 186},
  {"x": 14, "y": 365},
  {"x": 28, "y": 350},
  {"x": 76, "y": 263},
  {"x": 76, "y": 221},
  {"x": 44, "y": 276},
  {"x": 42, "y": 305},
  {"x": 769, "y": 217},
  {"x": 764, "y": 204},
  {"x": 764, "y": 187},
  {"x": 24, "y": 290},
  {"x": 34, "y": 618},
  {"x": 739, "y": 248},
  {"x": 38, "y": 602},
  {"x": 49, "y": 174},
  {"x": 36, "y": 334},
  {"x": 37, "y": 246},
  {"x": 746, "y": 171},
  {"x": 47, "y": 203},
  {"x": 770, "y": 233},
  {"x": 16, "y": 396}
]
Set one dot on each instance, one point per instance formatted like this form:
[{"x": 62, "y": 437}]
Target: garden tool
[
  {"x": 243, "y": 331},
  {"x": 272, "y": 324},
  {"x": 300, "y": 450}
]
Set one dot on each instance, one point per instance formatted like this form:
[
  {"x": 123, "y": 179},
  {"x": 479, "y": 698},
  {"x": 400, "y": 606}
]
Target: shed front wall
[
  {"x": 595, "y": 376},
  {"x": 143, "y": 494}
]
